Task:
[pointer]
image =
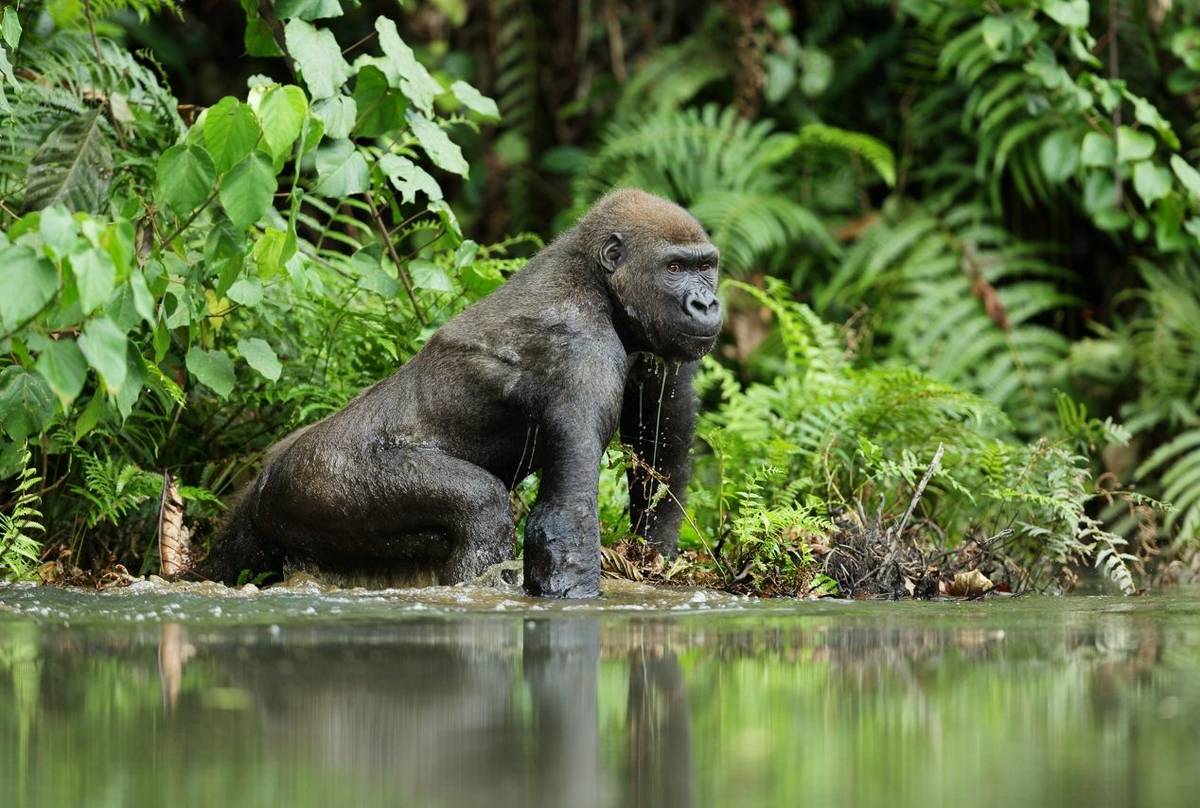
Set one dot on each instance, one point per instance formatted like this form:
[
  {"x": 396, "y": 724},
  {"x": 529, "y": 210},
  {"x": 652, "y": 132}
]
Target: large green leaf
[
  {"x": 230, "y": 132},
  {"x": 475, "y": 101},
  {"x": 1068, "y": 13},
  {"x": 27, "y": 282},
  {"x": 1133, "y": 144},
  {"x": 428, "y": 275},
  {"x": 1151, "y": 182},
  {"x": 260, "y": 356},
  {"x": 94, "y": 275},
  {"x": 64, "y": 368},
  {"x": 380, "y": 108},
  {"x": 341, "y": 170},
  {"x": 26, "y": 402},
  {"x": 318, "y": 56},
  {"x": 282, "y": 114},
  {"x": 73, "y": 166},
  {"x": 212, "y": 368},
  {"x": 1187, "y": 175},
  {"x": 337, "y": 114},
  {"x": 415, "y": 81},
  {"x": 308, "y": 9},
  {"x": 185, "y": 177},
  {"x": 1097, "y": 150},
  {"x": 247, "y": 190},
  {"x": 1059, "y": 155},
  {"x": 408, "y": 178},
  {"x": 104, "y": 344},
  {"x": 444, "y": 152}
]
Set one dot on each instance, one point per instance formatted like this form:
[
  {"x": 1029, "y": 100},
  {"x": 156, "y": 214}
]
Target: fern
[
  {"x": 21, "y": 527},
  {"x": 823, "y": 431},
  {"x": 727, "y": 171},
  {"x": 962, "y": 298},
  {"x": 61, "y": 104}
]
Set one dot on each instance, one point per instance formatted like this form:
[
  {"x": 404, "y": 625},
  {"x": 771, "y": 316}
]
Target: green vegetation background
[{"x": 960, "y": 240}]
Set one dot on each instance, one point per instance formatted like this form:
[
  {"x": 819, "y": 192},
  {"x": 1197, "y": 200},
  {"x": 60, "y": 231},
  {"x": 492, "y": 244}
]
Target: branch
[{"x": 387, "y": 243}]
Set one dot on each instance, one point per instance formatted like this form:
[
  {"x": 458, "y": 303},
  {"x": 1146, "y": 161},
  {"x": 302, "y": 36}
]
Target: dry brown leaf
[
  {"x": 970, "y": 584},
  {"x": 615, "y": 565},
  {"x": 174, "y": 544}
]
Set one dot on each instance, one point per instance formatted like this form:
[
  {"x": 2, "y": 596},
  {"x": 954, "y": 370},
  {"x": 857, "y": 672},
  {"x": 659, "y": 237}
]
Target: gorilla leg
[{"x": 405, "y": 504}]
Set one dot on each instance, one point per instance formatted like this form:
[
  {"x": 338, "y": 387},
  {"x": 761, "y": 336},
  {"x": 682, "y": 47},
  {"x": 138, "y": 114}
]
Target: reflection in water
[{"x": 1031, "y": 703}]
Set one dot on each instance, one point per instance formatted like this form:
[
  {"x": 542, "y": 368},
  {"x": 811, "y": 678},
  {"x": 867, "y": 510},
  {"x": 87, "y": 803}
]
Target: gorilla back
[{"x": 600, "y": 330}]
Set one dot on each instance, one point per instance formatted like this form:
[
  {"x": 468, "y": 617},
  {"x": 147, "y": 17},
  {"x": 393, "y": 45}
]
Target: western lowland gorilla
[{"x": 600, "y": 330}]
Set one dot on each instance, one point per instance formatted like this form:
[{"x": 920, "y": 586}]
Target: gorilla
[{"x": 600, "y": 331}]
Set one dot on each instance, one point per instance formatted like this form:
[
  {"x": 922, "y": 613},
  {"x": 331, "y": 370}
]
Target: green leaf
[
  {"x": 1133, "y": 145},
  {"x": 444, "y": 152},
  {"x": 135, "y": 380},
  {"x": 230, "y": 132},
  {"x": 872, "y": 150},
  {"x": 1097, "y": 150},
  {"x": 380, "y": 108},
  {"x": 272, "y": 250},
  {"x": 1068, "y": 13},
  {"x": 94, "y": 275},
  {"x": 318, "y": 56},
  {"x": 64, "y": 368},
  {"x": 282, "y": 114},
  {"x": 6, "y": 74},
  {"x": 73, "y": 166},
  {"x": 26, "y": 402},
  {"x": 247, "y": 190},
  {"x": 11, "y": 27},
  {"x": 104, "y": 346},
  {"x": 308, "y": 9},
  {"x": 143, "y": 301},
  {"x": 428, "y": 275},
  {"x": 1151, "y": 182},
  {"x": 337, "y": 114},
  {"x": 247, "y": 291},
  {"x": 446, "y": 216},
  {"x": 415, "y": 82},
  {"x": 1188, "y": 176},
  {"x": 260, "y": 356},
  {"x": 1148, "y": 115},
  {"x": 90, "y": 416},
  {"x": 212, "y": 368},
  {"x": 58, "y": 229},
  {"x": 185, "y": 177},
  {"x": 475, "y": 101},
  {"x": 341, "y": 170},
  {"x": 998, "y": 34},
  {"x": 408, "y": 178},
  {"x": 27, "y": 283},
  {"x": 1059, "y": 155},
  {"x": 482, "y": 279}
]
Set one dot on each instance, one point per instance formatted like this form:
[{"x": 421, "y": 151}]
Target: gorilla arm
[
  {"x": 658, "y": 424},
  {"x": 562, "y": 534}
]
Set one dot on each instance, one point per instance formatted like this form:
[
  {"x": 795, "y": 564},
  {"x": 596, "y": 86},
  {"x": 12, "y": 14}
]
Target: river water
[{"x": 170, "y": 696}]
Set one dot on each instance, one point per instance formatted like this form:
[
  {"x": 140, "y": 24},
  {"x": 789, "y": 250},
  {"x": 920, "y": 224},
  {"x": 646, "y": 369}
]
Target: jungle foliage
[{"x": 962, "y": 240}]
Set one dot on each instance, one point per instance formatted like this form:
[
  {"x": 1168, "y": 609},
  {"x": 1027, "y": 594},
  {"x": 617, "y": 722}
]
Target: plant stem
[{"x": 387, "y": 243}]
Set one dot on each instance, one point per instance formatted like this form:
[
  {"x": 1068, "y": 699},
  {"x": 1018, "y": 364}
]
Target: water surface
[{"x": 155, "y": 695}]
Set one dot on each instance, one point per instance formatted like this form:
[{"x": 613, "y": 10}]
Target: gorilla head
[{"x": 660, "y": 268}]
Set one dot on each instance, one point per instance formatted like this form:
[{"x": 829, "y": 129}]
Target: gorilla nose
[{"x": 704, "y": 311}]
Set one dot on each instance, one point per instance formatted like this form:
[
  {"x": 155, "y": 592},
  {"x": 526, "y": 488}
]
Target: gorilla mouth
[{"x": 710, "y": 335}]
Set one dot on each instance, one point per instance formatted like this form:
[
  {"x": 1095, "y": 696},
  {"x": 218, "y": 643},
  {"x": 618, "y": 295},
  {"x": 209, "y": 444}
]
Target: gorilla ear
[{"x": 612, "y": 254}]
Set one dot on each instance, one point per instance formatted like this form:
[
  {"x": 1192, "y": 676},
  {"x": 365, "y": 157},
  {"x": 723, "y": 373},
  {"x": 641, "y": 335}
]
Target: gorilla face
[{"x": 668, "y": 294}]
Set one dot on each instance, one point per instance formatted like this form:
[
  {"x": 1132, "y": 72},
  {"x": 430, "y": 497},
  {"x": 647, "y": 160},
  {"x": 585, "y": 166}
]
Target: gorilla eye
[
  {"x": 706, "y": 267},
  {"x": 673, "y": 267}
]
